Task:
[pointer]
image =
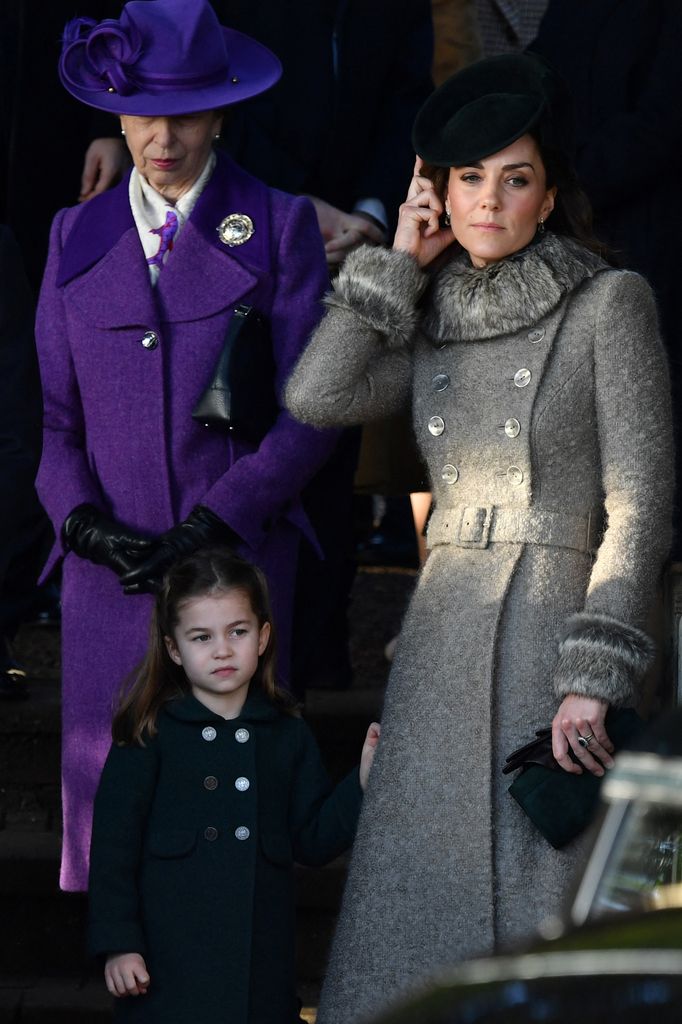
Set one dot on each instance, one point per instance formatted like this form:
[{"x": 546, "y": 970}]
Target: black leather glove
[
  {"x": 200, "y": 529},
  {"x": 91, "y": 534}
]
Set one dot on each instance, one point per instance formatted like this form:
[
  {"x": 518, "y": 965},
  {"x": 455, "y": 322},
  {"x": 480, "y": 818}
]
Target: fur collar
[{"x": 467, "y": 303}]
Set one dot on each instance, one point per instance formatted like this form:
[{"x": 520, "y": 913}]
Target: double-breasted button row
[
  {"x": 211, "y": 833},
  {"x": 209, "y": 734},
  {"x": 149, "y": 340}
]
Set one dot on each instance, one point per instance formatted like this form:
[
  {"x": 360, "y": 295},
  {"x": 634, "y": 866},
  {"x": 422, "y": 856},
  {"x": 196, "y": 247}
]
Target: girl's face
[
  {"x": 495, "y": 205},
  {"x": 218, "y": 642}
]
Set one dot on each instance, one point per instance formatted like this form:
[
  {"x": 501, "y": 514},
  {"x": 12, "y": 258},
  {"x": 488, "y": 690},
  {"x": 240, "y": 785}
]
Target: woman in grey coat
[{"x": 540, "y": 402}]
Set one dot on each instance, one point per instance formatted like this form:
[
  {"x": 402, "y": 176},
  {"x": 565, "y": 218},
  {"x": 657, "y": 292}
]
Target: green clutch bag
[{"x": 559, "y": 804}]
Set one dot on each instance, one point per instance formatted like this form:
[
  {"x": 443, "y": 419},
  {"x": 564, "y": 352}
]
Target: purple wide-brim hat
[{"x": 162, "y": 58}]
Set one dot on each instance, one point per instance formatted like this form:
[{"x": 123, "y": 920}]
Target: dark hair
[
  {"x": 158, "y": 679},
  {"x": 572, "y": 213}
]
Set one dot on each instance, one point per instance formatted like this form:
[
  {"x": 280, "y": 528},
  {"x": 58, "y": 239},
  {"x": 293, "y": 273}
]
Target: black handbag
[
  {"x": 559, "y": 804},
  {"x": 240, "y": 397}
]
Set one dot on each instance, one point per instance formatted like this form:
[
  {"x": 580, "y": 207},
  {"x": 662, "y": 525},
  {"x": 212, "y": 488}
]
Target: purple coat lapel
[{"x": 103, "y": 255}]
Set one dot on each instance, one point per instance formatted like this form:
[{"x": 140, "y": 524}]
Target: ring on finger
[{"x": 585, "y": 741}]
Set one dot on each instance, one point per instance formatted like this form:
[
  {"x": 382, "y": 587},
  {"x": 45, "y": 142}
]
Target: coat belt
[{"x": 476, "y": 526}]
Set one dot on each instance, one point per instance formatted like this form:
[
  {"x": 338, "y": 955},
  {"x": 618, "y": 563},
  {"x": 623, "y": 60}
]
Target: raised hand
[{"x": 419, "y": 231}]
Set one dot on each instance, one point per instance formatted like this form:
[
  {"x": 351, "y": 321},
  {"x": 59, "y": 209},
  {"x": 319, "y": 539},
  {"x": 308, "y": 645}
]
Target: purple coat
[{"x": 119, "y": 432}]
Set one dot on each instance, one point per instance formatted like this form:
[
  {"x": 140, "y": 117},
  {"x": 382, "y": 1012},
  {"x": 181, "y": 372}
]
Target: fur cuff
[
  {"x": 603, "y": 658},
  {"x": 382, "y": 286}
]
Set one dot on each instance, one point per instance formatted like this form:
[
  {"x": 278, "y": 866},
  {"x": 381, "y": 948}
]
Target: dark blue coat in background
[
  {"x": 621, "y": 59},
  {"x": 338, "y": 124},
  {"x": 194, "y": 840}
]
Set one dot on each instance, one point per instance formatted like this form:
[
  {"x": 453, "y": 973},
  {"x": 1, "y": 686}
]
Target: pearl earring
[
  {"x": 123, "y": 131},
  {"x": 541, "y": 225}
]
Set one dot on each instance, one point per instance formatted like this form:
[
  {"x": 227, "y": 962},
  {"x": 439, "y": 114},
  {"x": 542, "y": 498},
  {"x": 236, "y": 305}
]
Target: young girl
[{"x": 212, "y": 789}]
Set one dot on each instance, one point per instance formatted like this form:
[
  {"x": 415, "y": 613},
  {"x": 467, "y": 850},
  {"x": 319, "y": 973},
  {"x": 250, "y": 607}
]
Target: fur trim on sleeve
[
  {"x": 382, "y": 286},
  {"x": 603, "y": 658}
]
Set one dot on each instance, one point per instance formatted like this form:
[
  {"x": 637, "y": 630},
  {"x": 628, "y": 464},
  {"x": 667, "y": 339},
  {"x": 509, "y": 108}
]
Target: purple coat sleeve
[{"x": 264, "y": 485}]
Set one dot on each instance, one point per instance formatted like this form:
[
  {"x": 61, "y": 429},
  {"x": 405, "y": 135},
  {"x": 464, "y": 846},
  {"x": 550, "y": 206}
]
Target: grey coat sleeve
[
  {"x": 358, "y": 365},
  {"x": 605, "y": 652}
]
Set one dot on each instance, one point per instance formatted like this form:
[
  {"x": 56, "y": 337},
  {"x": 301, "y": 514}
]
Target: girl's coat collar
[
  {"x": 466, "y": 303},
  {"x": 257, "y": 708}
]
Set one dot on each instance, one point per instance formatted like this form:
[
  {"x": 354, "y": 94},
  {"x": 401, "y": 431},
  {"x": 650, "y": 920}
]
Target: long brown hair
[
  {"x": 158, "y": 679},
  {"x": 572, "y": 213}
]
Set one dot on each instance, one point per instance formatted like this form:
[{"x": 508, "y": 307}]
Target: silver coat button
[
  {"x": 536, "y": 335},
  {"x": 242, "y": 735},
  {"x": 440, "y": 382},
  {"x": 209, "y": 733},
  {"x": 522, "y": 378},
  {"x": 242, "y": 832},
  {"x": 512, "y": 427},
  {"x": 149, "y": 340},
  {"x": 450, "y": 474},
  {"x": 241, "y": 784},
  {"x": 210, "y": 782},
  {"x": 515, "y": 476},
  {"x": 436, "y": 425}
]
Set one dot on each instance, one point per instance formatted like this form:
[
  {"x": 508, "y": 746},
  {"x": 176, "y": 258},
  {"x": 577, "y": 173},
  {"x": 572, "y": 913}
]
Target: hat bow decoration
[{"x": 110, "y": 51}]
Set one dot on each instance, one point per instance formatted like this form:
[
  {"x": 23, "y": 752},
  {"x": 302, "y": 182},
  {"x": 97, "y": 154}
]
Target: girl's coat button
[
  {"x": 242, "y": 784},
  {"x": 242, "y": 735},
  {"x": 209, "y": 733}
]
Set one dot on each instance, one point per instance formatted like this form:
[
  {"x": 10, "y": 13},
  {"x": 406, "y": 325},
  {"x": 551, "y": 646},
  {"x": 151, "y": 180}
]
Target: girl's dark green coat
[{"x": 194, "y": 839}]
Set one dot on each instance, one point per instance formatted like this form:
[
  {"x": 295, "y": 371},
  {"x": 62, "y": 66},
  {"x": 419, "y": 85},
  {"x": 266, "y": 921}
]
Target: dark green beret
[{"x": 488, "y": 105}]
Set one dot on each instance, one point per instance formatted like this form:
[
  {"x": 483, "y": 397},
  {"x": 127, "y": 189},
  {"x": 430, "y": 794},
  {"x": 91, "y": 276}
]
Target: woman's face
[
  {"x": 495, "y": 205},
  {"x": 171, "y": 151}
]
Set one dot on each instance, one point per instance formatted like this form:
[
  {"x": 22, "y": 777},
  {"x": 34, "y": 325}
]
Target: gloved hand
[
  {"x": 91, "y": 534},
  {"x": 200, "y": 529}
]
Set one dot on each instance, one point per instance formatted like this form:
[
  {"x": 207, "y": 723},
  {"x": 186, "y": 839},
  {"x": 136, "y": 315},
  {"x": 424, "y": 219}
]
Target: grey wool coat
[{"x": 541, "y": 406}]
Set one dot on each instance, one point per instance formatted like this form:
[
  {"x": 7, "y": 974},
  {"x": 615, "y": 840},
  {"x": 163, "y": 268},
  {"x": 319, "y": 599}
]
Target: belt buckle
[{"x": 474, "y": 526}]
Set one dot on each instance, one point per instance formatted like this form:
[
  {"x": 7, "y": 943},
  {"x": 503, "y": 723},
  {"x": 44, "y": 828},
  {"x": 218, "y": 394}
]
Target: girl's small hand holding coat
[
  {"x": 368, "y": 750},
  {"x": 126, "y": 975}
]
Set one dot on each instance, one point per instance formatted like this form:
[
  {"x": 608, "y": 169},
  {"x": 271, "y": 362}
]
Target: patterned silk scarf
[{"x": 158, "y": 221}]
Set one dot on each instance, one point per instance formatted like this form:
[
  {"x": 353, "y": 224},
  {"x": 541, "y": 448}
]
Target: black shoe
[{"x": 13, "y": 681}]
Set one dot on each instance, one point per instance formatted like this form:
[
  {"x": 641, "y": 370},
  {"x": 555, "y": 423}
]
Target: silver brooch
[{"x": 235, "y": 229}]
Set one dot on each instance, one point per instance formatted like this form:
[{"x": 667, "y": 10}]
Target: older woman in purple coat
[{"x": 139, "y": 291}]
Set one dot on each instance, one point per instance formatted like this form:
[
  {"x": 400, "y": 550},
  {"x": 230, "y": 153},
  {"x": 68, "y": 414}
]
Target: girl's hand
[
  {"x": 367, "y": 756},
  {"x": 126, "y": 974},
  {"x": 419, "y": 231},
  {"x": 582, "y": 716}
]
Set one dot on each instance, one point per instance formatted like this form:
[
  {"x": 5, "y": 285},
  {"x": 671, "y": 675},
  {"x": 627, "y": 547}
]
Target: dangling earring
[
  {"x": 217, "y": 135},
  {"x": 447, "y": 216},
  {"x": 541, "y": 226}
]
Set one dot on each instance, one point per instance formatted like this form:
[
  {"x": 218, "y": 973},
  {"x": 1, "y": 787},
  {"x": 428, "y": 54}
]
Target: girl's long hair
[
  {"x": 572, "y": 213},
  {"x": 158, "y": 679}
]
